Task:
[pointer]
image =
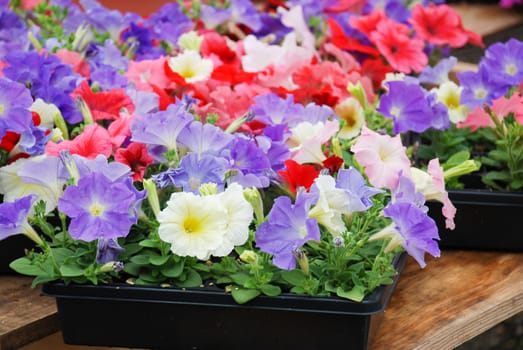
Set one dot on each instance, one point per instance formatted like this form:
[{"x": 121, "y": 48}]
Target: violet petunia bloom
[
  {"x": 314, "y": 113},
  {"x": 438, "y": 74},
  {"x": 249, "y": 162},
  {"x": 161, "y": 129},
  {"x": 271, "y": 109},
  {"x": 33, "y": 140},
  {"x": 440, "y": 118},
  {"x": 272, "y": 141},
  {"x": 478, "y": 88},
  {"x": 418, "y": 231},
  {"x": 204, "y": 138},
  {"x": 407, "y": 106},
  {"x": 141, "y": 39},
  {"x": 98, "y": 208},
  {"x": 195, "y": 171},
  {"x": 359, "y": 193},
  {"x": 13, "y": 32},
  {"x": 287, "y": 228},
  {"x": 13, "y": 217},
  {"x": 169, "y": 23},
  {"x": 212, "y": 17},
  {"x": 406, "y": 192},
  {"x": 15, "y": 99},
  {"x": 506, "y": 60},
  {"x": 108, "y": 250}
]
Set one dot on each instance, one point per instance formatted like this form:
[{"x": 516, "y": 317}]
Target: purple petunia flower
[
  {"x": 287, "y": 228},
  {"x": 407, "y": 105},
  {"x": 478, "y": 88},
  {"x": 314, "y": 113},
  {"x": 277, "y": 151},
  {"x": 356, "y": 187},
  {"x": 161, "y": 129},
  {"x": 13, "y": 216},
  {"x": 140, "y": 38},
  {"x": 33, "y": 140},
  {"x": 195, "y": 171},
  {"x": 271, "y": 109},
  {"x": 108, "y": 250},
  {"x": 250, "y": 163},
  {"x": 438, "y": 74},
  {"x": 13, "y": 32},
  {"x": 418, "y": 231},
  {"x": 98, "y": 208},
  {"x": 506, "y": 60},
  {"x": 48, "y": 78},
  {"x": 204, "y": 138},
  {"x": 406, "y": 192},
  {"x": 169, "y": 23},
  {"x": 15, "y": 99}
]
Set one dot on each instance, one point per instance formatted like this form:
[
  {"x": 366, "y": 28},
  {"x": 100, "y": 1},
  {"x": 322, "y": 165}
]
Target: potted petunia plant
[
  {"x": 213, "y": 159},
  {"x": 485, "y": 125}
]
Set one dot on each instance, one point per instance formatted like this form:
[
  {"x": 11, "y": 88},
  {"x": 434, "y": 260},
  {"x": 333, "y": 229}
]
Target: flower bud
[
  {"x": 190, "y": 41},
  {"x": 208, "y": 189},
  {"x": 249, "y": 256},
  {"x": 358, "y": 92},
  {"x": 253, "y": 196},
  {"x": 464, "y": 168},
  {"x": 70, "y": 166},
  {"x": 302, "y": 260},
  {"x": 152, "y": 196}
]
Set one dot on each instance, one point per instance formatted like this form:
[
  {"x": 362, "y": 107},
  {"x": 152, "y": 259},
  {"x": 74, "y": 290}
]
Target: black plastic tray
[
  {"x": 485, "y": 220},
  {"x": 171, "y": 318},
  {"x": 12, "y": 248}
]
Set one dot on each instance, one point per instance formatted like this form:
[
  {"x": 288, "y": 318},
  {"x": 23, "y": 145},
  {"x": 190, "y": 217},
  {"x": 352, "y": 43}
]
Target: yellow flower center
[
  {"x": 191, "y": 224},
  {"x": 395, "y": 111},
  {"x": 96, "y": 209},
  {"x": 187, "y": 71},
  {"x": 480, "y": 93},
  {"x": 511, "y": 69},
  {"x": 452, "y": 101}
]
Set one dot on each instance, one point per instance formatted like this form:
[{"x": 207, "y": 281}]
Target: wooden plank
[
  {"x": 454, "y": 299},
  {"x": 25, "y": 316},
  {"x": 487, "y": 19}
]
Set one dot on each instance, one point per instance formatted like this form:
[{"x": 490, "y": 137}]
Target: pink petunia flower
[
  {"x": 502, "y": 107},
  {"x": 404, "y": 53},
  {"x": 148, "y": 73},
  {"x": 93, "y": 140},
  {"x": 382, "y": 156}
]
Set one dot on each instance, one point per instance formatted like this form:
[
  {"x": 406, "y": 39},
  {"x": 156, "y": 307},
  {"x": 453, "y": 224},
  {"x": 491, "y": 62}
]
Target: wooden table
[{"x": 452, "y": 300}]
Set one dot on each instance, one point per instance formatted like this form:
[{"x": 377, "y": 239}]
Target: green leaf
[
  {"x": 270, "y": 290},
  {"x": 159, "y": 260},
  {"x": 150, "y": 243},
  {"x": 71, "y": 270},
  {"x": 60, "y": 254},
  {"x": 25, "y": 266},
  {"x": 240, "y": 278},
  {"x": 173, "y": 270},
  {"x": 295, "y": 277},
  {"x": 192, "y": 279},
  {"x": 357, "y": 293},
  {"x": 43, "y": 279},
  {"x": 141, "y": 259},
  {"x": 132, "y": 269},
  {"x": 241, "y": 296}
]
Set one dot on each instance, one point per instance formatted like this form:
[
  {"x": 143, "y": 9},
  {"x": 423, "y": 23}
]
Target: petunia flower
[
  {"x": 404, "y": 53},
  {"x": 93, "y": 141},
  {"x": 194, "y": 225},
  {"x": 383, "y": 157},
  {"x": 438, "y": 74},
  {"x": 108, "y": 250},
  {"x": 306, "y": 140},
  {"x": 191, "y": 66},
  {"x": 287, "y": 228},
  {"x": 195, "y": 171},
  {"x": 432, "y": 185},
  {"x": 13, "y": 218},
  {"x": 136, "y": 157},
  {"x": 351, "y": 113},
  {"x": 298, "y": 175},
  {"x": 412, "y": 228},
  {"x": 15, "y": 99},
  {"x": 98, "y": 208},
  {"x": 449, "y": 93},
  {"x": 506, "y": 60}
]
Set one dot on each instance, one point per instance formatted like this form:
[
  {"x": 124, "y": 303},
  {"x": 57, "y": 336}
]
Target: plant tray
[
  {"x": 12, "y": 248},
  {"x": 485, "y": 220},
  {"x": 207, "y": 318}
]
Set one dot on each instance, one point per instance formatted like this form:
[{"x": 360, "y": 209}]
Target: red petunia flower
[
  {"x": 136, "y": 156},
  {"x": 343, "y": 41},
  {"x": 298, "y": 175},
  {"x": 333, "y": 164},
  {"x": 403, "y": 53},
  {"x": 104, "y": 105},
  {"x": 441, "y": 25}
]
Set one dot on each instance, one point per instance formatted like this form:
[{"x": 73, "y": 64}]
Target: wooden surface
[
  {"x": 486, "y": 19},
  {"x": 454, "y": 299},
  {"x": 24, "y": 315}
]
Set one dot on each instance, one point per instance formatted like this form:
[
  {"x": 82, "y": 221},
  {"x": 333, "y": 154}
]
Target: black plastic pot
[
  {"x": 169, "y": 318},
  {"x": 12, "y": 248},
  {"x": 485, "y": 220}
]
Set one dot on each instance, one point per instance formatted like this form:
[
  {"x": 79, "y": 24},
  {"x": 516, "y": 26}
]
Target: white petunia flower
[
  {"x": 239, "y": 215},
  {"x": 350, "y": 111},
  {"x": 449, "y": 94},
  {"x": 193, "y": 225},
  {"x": 191, "y": 66},
  {"x": 330, "y": 206}
]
